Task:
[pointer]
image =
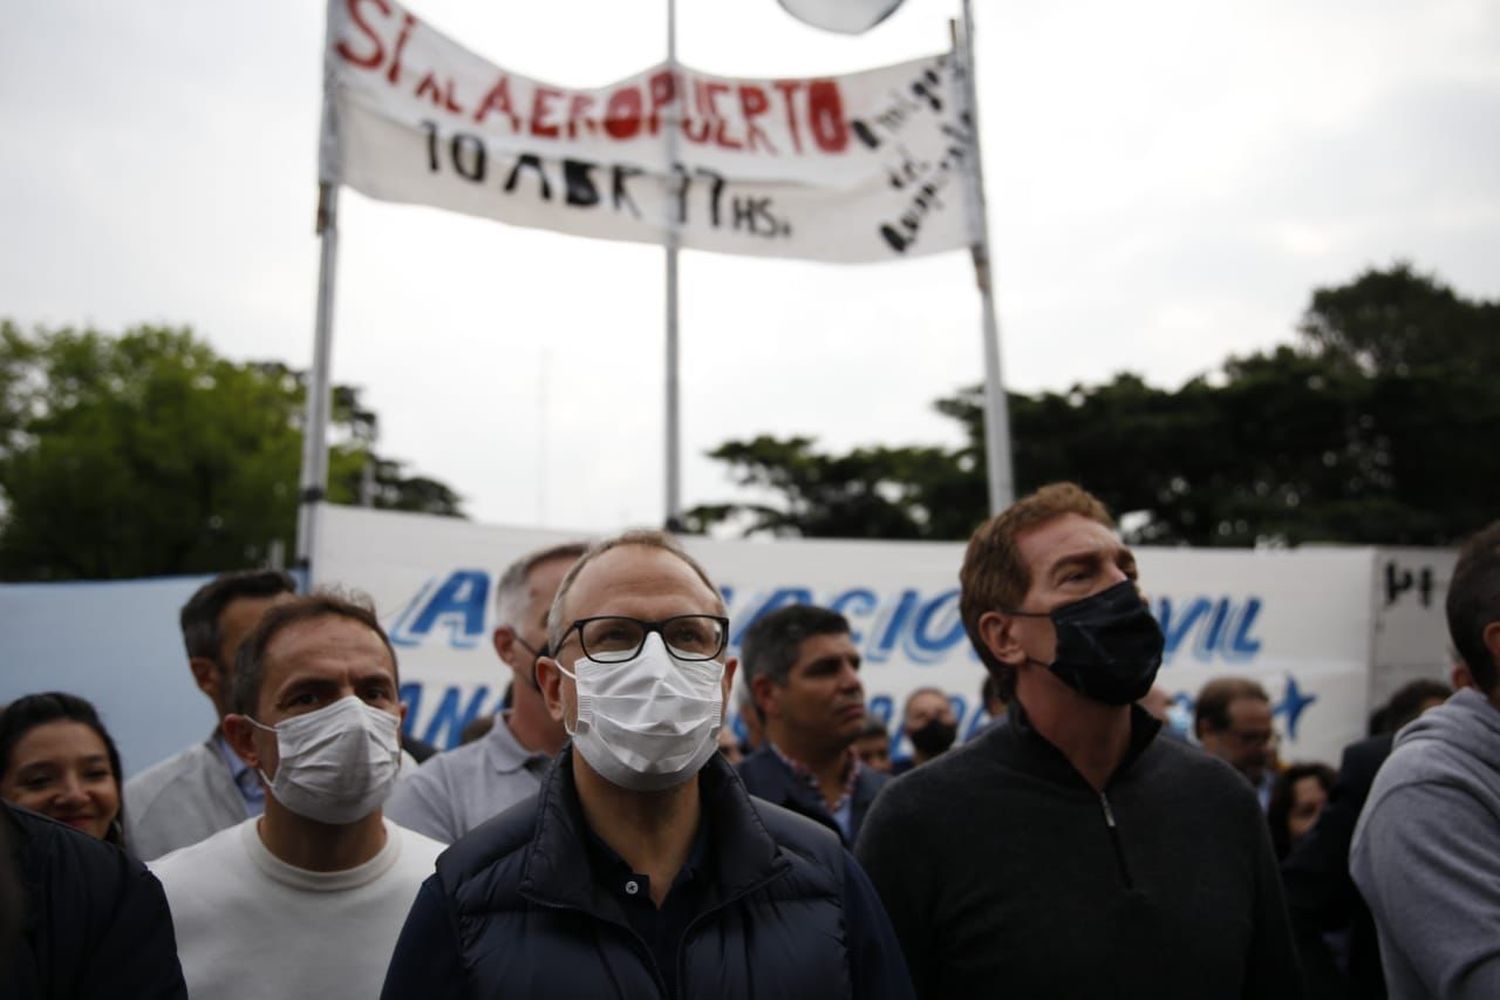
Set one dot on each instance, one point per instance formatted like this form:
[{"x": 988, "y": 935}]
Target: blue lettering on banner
[
  {"x": 444, "y": 729},
  {"x": 780, "y": 598},
  {"x": 938, "y": 629},
  {"x": 889, "y": 626},
  {"x": 1219, "y": 628},
  {"x": 458, "y": 604},
  {"x": 845, "y": 604},
  {"x": 922, "y": 628}
]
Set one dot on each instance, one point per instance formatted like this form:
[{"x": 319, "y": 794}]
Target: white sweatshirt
[{"x": 252, "y": 926}]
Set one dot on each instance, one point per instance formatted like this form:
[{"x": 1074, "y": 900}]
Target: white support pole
[
  {"x": 996, "y": 411},
  {"x": 314, "y": 478},
  {"x": 673, "y": 520}
]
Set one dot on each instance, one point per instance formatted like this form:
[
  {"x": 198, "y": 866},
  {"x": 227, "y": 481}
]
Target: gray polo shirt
[
  {"x": 182, "y": 800},
  {"x": 455, "y": 791}
]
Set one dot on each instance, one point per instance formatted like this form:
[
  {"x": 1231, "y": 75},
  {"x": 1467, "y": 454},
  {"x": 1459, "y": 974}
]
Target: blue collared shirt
[
  {"x": 842, "y": 811},
  {"x": 245, "y": 779}
]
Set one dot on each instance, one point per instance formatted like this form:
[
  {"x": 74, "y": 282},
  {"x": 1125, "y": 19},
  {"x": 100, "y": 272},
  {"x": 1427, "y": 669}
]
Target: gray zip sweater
[
  {"x": 1426, "y": 854},
  {"x": 1006, "y": 874}
]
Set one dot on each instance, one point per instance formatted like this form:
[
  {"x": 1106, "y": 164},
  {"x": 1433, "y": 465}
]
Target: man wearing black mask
[
  {"x": 1091, "y": 858},
  {"x": 928, "y": 722}
]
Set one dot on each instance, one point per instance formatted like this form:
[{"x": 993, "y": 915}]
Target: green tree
[
  {"x": 868, "y": 493},
  {"x": 148, "y": 454},
  {"x": 1397, "y": 321},
  {"x": 1375, "y": 428}
]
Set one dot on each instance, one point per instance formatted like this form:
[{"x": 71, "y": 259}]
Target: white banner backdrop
[
  {"x": 1411, "y": 623},
  {"x": 863, "y": 167},
  {"x": 1299, "y": 622}
]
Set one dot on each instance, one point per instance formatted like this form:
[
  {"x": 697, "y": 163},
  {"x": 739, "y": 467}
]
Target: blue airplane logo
[{"x": 1293, "y": 704}]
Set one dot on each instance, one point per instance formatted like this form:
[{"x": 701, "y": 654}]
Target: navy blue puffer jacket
[{"x": 531, "y": 921}]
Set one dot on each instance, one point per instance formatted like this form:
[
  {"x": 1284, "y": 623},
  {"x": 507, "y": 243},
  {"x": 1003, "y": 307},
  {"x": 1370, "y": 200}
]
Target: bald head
[{"x": 637, "y": 562}]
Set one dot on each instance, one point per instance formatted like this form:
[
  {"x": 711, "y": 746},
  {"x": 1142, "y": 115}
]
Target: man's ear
[
  {"x": 1491, "y": 638},
  {"x": 504, "y": 639},
  {"x": 549, "y": 677},
  {"x": 1459, "y": 676},
  {"x": 240, "y": 735},
  {"x": 764, "y": 691},
  {"x": 730, "y": 666},
  {"x": 207, "y": 675},
  {"x": 995, "y": 633}
]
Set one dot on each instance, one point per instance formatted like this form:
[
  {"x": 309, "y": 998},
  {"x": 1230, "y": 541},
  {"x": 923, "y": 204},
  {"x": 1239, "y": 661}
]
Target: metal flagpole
[
  {"x": 996, "y": 411},
  {"x": 673, "y": 428},
  {"x": 314, "y": 478}
]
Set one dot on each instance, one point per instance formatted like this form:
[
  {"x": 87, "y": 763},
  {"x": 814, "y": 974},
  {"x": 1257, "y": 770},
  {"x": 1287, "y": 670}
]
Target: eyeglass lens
[{"x": 690, "y": 637}]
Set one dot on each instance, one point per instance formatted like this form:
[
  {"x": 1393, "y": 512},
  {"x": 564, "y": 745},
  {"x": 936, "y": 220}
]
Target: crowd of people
[{"x": 606, "y": 835}]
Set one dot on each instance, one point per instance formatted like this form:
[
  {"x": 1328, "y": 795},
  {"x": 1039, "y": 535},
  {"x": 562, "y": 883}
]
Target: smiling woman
[{"x": 56, "y": 758}]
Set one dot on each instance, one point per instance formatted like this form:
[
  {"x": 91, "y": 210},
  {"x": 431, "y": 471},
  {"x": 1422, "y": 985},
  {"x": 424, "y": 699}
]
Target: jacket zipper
[
  {"x": 638, "y": 942},
  {"x": 724, "y": 904},
  {"x": 1114, "y": 839}
]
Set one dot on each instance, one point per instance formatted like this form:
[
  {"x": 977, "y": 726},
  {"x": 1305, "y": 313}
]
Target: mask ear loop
[
  {"x": 576, "y": 696},
  {"x": 536, "y": 654},
  {"x": 1032, "y": 614},
  {"x": 270, "y": 729}
]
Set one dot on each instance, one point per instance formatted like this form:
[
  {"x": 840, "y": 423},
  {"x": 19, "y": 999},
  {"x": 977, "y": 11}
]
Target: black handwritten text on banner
[{"x": 864, "y": 167}]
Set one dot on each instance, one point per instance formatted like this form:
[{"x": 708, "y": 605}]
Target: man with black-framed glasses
[
  {"x": 643, "y": 868},
  {"x": 455, "y": 791}
]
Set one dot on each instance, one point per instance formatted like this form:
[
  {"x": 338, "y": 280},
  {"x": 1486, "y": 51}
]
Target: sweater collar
[{"x": 1053, "y": 764}]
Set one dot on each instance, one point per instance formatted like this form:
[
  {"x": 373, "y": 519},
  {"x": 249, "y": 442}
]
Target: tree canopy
[
  {"x": 1378, "y": 426},
  {"x": 148, "y": 454}
]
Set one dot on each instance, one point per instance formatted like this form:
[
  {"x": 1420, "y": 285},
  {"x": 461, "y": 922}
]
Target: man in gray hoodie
[{"x": 1426, "y": 851}]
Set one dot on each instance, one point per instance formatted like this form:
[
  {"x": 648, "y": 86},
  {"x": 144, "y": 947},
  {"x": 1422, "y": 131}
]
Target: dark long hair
[
  {"x": 1279, "y": 809},
  {"x": 26, "y": 713}
]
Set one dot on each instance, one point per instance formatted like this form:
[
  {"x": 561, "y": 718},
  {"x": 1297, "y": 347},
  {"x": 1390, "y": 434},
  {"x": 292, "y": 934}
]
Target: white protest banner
[
  {"x": 1299, "y": 622},
  {"x": 1411, "y": 620},
  {"x": 864, "y": 167}
]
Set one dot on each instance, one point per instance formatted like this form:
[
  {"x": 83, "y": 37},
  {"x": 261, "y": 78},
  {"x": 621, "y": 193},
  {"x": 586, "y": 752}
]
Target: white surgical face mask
[
  {"x": 649, "y": 723},
  {"x": 336, "y": 764}
]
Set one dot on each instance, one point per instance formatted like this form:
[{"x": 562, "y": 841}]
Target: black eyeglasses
[{"x": 616, "y": 638}]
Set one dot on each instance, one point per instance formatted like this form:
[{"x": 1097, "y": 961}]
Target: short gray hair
[
  {"x": 648, "y": 538},
  {"x": 510, "y": 591}
]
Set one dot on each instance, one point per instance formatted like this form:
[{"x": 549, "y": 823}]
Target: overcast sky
[{"x": 1168, "y": 180}]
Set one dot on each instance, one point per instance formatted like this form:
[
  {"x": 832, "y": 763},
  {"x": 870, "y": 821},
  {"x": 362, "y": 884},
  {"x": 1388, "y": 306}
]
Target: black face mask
[
  {"x": 934, "y": 737},
  {"x": 1109, "y": 647}
]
